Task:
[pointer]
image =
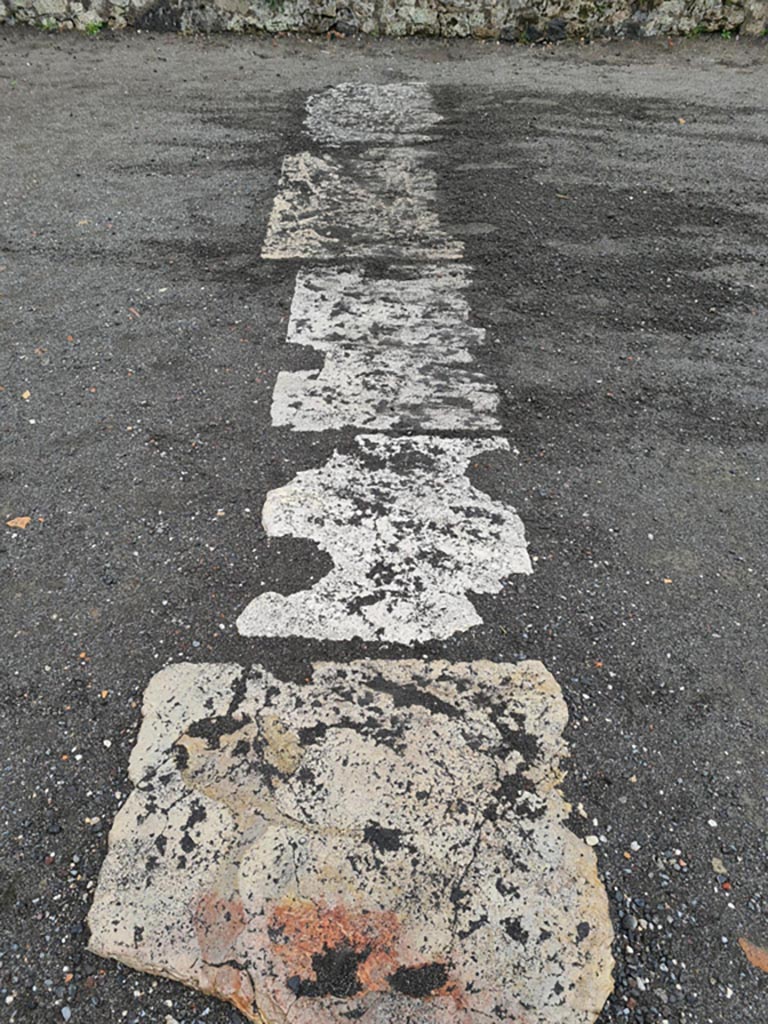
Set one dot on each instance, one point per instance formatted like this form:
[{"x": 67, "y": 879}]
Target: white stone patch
[
  {"x": 384, "y": 841},
  {"x": 362, "y": 112},
  {"x": 409, "y": 537},
  {"x": 397, "y": 350},
  {"x": 378, "y": 205}
]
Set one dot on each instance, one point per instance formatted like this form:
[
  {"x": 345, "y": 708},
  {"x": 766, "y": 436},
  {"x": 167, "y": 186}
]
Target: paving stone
[
  {"x": 409, "y": 536},
  {"x": 380, "y": 205},
  {"x": 383, "y": 839},
  {"x": 398, "y": 353},
  {"x": 364, "y": 112}
]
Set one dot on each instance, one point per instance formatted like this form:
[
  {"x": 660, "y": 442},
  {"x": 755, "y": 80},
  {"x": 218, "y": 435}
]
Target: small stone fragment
[{"x": 19, "y": 522}]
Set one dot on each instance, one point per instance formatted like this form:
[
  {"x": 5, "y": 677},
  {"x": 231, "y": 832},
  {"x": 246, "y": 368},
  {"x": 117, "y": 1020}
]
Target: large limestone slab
[
  {"x": 383, "y": 839},
  {"x": 378, "y": 205},
  {"x": 409, "y": 536},
  {"x": 398, "y": 353}
]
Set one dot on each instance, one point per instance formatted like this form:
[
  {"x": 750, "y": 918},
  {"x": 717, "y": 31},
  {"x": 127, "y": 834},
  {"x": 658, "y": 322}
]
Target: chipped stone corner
[{"x": 385, "y": 838}]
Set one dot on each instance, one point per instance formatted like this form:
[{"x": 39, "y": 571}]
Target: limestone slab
[
  {"x": 384, "y": 840},
  {"x": 401, "y": 112},
  {"x": 409, "y": 536},
  {"x": 398, "y": 353},
  {"x": 379, "y": 204}
]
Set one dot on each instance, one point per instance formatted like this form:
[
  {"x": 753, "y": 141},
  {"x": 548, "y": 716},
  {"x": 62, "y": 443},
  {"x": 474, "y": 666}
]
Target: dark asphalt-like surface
[{"x": 613, "y": 204}]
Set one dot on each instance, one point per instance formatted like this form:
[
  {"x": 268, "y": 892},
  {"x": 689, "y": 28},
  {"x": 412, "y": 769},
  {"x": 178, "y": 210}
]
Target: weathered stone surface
[
  {"x": 360, "y": 112},
  {"x": 398, "y": 353},
  {"x": 385, "y": 838},
  {"x": 512, "y": 20},
  {"x": 755, "y": 18},
  {"x": 409, "y": 536},
  {"x": 378, "y": 205},
  {"x": 50, "y": 7}
]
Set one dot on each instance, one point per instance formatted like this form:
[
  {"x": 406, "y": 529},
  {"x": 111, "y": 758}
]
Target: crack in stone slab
[
  {"x": 363, "y": 112},
  {"x": 429, "y": 894},
  {"x": 379, "y": 205},
  {"x": 397, "y": 353},
  {"x": 409, "y": 537}
]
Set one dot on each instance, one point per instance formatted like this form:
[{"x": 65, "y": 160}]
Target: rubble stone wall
[{"x": 509, "y": 20}]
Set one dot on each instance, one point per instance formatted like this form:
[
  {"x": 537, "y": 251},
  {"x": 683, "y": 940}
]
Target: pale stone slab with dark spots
[
  {"x": 401, "y": 112},
  {"x": 409, "y": 536},
  {"x": 398, "y": 353},
  {"x": 385, "y": 838},
  {"x": 378, "y": 205}
]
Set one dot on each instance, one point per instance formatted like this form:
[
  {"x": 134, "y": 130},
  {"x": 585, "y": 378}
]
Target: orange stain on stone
[{"x": 304, "y": 930}]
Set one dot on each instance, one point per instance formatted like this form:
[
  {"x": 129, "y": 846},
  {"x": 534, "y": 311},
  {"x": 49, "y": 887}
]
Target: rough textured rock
[
  {"x": 522, "y": 21},
  {"x": 385, "y": 838},
  {"x": 755, "y": 18},
  {"x": 409, "y": 536}
]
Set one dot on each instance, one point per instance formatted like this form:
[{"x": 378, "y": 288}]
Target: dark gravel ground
[{"x": 613, "y": 203}]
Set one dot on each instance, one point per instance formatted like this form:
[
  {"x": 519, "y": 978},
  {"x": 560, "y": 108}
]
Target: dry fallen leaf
[
  {"x": 756, "y": 955},
  {"x": 19, "y": 523},
  {"x": 26, "y": 395}
]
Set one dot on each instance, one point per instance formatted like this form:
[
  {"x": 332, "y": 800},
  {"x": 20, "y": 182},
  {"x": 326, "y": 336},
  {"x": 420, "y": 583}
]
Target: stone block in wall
[
  {"x": 409, "y": 17},
  {"x": 470, "y": 18},
  {"x": 717, "y": 15},
  {"x": 363, "y": 15},
  {"x": 284, "y": 17},
  {"x": 755, "y": 17},
  {"x": 669, "y": 18},
  {"x": 50, "y": 7},
  {"x": 83, "y": 18},
  {"x": 234, "y": 6}
]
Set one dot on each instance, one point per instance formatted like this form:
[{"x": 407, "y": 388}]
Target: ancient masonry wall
[{"x": 524, "y": 21}]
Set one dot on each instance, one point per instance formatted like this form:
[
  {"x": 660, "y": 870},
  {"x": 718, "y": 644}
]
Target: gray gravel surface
[{"x": 613, "y": 204}]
